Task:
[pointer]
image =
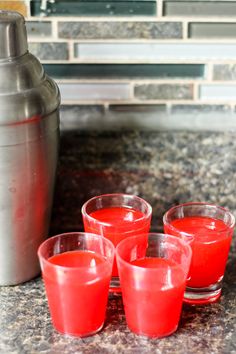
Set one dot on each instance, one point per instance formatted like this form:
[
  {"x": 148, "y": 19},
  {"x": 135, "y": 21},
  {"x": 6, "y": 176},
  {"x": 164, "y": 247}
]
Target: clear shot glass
[
  {"x": 76, "y": 269},
  {"x": 116, "y": 217},
  {"x": 153, "y": 270},
  {"x": 209, "y": 229}
]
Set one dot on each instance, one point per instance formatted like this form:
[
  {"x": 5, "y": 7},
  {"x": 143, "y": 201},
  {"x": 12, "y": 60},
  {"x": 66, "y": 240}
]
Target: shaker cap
[
  {"x": 13, "y": 39},
  {"x": 25, "y": 89}
]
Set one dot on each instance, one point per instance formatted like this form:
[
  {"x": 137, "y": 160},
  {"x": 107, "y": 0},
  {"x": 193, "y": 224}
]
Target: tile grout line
[
  {"x": 131, "y": 91},
  {"x": 102, "y": 18},
  {"x": 167, "y": 103},
  {"x": 209, "y": 75},
  {"x": 145, "y": 81},
  {"x": 137, "y": 40},
  {"x": 54, "y": 30},
  {"x": 196, "y": 91},
  {"x": 164, "y": 61},
  {"x": 159, "y": 10},
  {"x": 127, "y": 81},
  {"x": 185, "y": 31},
  {"x": 135, "y": 101},
  {"x": 151, "y": 102},
  {"x": 71, "y": 50},
  {"x": 206, "y": 19}
]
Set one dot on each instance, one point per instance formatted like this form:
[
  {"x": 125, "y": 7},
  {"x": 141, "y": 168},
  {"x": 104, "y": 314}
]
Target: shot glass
[
  {"x": 153, "y": 270},
  {"x": 209, "y": 229},
  {"x": 116, "y": 217},
  {"x": 76, "y": 269}
]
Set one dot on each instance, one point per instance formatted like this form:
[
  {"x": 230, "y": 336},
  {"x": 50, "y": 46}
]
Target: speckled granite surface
[{"x": 165, "y": 168}]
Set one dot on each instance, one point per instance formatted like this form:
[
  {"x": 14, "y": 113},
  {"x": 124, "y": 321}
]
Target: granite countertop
[{"x": 165, "y": 168}]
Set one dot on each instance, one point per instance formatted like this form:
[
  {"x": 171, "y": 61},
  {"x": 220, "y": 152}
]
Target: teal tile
[
  {"x": 95, "y": 8},
  {"x": 125, "y": 70}
]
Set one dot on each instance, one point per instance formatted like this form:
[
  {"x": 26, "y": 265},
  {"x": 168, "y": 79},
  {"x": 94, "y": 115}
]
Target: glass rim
[
  {"x": 131, "y": 196},
  {"x": 165, "y": 236},
  {"x": 70, "y": 234},
  {"x": 175, "y": 207}
]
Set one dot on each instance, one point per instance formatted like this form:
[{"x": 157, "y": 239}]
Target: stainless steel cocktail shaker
[{"x": 29, "y": 132}]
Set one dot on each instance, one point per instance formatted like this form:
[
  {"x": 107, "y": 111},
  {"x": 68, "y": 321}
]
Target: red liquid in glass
[
  {"x": 77, "y": 301},
  {"x": 153, "y": 306},
  {"x": 122, "y": 224},
  {"x": 210, "y": 248}
]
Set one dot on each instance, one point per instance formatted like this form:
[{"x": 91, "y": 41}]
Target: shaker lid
[
  {"x": 13, "y": 39},
  {"x": 25, "y": 89}
]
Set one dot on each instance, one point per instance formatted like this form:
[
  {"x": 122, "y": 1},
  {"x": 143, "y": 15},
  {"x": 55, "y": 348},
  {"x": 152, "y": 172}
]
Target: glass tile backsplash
[
  {"x": 212, "y": 30},
  {"x": 94, "y": 8},
  {"x": 125, "y": 71},
  {"x": 199, "y": 8},
  {"x": 158, "y": 62},
  {"x": 39, "y": 29},
  {"x": 120, "y": 30},
  {"x": 155, "y": 51}
]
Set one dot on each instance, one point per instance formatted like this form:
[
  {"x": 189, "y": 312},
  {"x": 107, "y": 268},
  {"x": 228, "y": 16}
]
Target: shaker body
[
  {"x": 27, "y": 175},
  {"x": 29, "y": 132}
]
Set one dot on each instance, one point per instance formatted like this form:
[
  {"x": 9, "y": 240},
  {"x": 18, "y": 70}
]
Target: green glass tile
[
  {"x": 125, "y": 70},
  {"x": 199, "y": 8},
  {"x": 38, "y": 28},
  {"x": 95, "y": 8},
  {"x": 212, "y": 30}
]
